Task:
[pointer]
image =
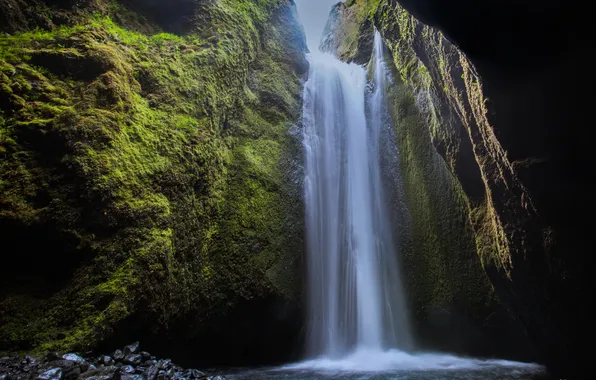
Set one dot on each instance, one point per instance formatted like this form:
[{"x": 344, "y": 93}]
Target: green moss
[
  {"x": 158, "y": 157},
  {"x": 440, "y": 257}
]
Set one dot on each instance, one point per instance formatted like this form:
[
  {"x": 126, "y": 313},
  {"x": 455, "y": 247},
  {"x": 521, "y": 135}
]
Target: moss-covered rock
[{"x": 146, "y": 176}]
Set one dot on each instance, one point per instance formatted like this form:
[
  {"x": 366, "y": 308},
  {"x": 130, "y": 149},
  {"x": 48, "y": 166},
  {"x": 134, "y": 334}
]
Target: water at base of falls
[{"x": 393, "y": 364}]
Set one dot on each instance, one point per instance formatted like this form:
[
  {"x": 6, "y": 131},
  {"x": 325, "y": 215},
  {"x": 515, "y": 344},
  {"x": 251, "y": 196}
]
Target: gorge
[{"x": 198, "y": 176}]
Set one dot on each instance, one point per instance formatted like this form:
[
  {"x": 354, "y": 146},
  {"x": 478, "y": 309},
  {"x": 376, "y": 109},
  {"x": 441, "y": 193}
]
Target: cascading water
[{"x": 354, "y": 292}]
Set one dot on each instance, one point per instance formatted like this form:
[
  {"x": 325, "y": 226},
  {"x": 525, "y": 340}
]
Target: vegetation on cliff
[{"x": 146, "y": 173}]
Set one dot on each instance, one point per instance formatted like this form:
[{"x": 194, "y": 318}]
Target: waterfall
[{"x": 355, "y": 299}]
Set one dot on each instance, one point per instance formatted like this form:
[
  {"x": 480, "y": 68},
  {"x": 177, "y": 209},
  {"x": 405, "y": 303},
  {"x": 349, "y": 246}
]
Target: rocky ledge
[{"x": 128, "y": 363}]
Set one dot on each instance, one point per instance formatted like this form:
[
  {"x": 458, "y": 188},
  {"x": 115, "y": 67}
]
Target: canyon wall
[{"x": 150, "y": 175}]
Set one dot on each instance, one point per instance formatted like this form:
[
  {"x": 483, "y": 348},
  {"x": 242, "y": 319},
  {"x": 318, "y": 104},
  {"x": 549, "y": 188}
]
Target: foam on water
[{"x": 363, "y": 361}]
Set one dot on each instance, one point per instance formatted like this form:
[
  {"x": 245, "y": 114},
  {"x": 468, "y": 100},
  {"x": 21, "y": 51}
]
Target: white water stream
[{"x": 354, "y": 288}]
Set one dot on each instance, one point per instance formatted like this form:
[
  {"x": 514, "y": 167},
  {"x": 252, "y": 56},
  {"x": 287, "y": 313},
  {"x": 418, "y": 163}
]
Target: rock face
[
  {"x": 147, "y": 179},
  {"x": 500, "y": 111},
  {"x": 348, "y": 34}
]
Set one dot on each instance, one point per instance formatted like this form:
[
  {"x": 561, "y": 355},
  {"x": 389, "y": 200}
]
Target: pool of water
[{"x": 393, "y": 364}]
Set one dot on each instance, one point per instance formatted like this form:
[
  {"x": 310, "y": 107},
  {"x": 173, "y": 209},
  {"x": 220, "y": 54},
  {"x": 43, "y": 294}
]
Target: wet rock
[
  {"x": 140, "y": 370},
  {"x": 73, "y": 357},
  {"x": 164, "y": 364},
  {"x": 216, "y": 378},
  {"x": 105, "y": 360},
  {"x": 3, "y": 376},
  {"x": 161, "y": 375},
  {"x": 178, "y": 376},
  {"x": 146, "y": 356},
  {"x": 105, "y": 373},
  {"x": 149, "y": 363},
  {"x": 131, "y": 377},
  {"x": 132, "y": 348},
  {"x": 127, "y": 369},
  {"x": 51, "y": 374},
  {"x": 134, "y": 359},
  {"x": 151, "y": 373},
  {"x": 118, "y": 355}
]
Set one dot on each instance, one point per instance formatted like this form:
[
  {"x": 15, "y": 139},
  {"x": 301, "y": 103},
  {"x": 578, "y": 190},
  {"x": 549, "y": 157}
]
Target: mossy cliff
[
  {"x": 506, "y": 163},
  {"x": 147, "y": 179}
]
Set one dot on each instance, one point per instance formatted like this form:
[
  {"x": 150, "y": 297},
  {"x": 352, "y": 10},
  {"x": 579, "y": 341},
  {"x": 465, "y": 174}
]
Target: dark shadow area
[
  {"x": 453, "y": 331},
  {"x": 253, "y": 333},
  {"x": 42, "y": 260},
  {"x": 174, "y": 16}
]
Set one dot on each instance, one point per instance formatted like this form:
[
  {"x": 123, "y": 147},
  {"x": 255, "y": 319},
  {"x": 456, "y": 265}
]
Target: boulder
[
  {"x": 127, "y": 369},
  {"x": 73, "y": 357},
  {"x": 151, "y": 373},
  {"x": 132, "y": 348},
  {"x": 134, "y": 359},
  {"x": 105, "y": 373},
  {"x": 51, "y": 374},
  {"x": 118, "y": 355},
  {"x": 105, "y": 360}
]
